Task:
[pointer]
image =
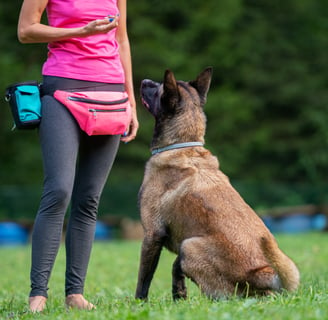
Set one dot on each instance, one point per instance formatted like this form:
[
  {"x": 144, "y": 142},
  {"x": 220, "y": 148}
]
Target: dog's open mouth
[{"x": 144, "y": 102}]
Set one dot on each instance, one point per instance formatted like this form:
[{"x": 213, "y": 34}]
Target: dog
[{"x": 188, "y": 206}]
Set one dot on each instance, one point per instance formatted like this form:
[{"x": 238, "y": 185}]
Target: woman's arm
[
  {"x": 125, "y": 54},
  {"x": 31, "y": 30}
]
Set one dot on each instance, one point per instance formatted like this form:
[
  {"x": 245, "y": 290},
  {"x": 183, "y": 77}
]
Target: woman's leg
[
  {"x": 59, "y": 136},
  {"x": 96, "y": 157}
]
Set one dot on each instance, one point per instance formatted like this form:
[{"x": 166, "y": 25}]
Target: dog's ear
[
  {"x": 171, "y": 94},
  {"x": 202, "y": 83}
]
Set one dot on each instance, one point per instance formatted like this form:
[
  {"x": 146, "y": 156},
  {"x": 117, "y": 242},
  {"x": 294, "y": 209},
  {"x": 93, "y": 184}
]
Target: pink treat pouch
[{"x": 98, "y": 112}]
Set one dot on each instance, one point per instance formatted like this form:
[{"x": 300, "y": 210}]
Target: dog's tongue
[{"x": 145, "y": 103}]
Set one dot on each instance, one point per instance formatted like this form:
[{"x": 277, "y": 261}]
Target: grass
[{"x": 112, "y": 279}]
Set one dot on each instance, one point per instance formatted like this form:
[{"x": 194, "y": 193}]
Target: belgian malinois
[{"x": 189, "y": 206}]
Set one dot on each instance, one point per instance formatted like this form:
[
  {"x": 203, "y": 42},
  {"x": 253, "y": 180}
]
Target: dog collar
[{"x": 177, "y": 146}]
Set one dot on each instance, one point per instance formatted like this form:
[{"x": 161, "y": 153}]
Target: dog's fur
[{"x": 189, "y": 206}]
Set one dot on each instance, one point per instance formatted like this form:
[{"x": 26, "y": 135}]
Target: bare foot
[
  {"x": 77, "y": 301},
  {"x": 37, "y": 303}
]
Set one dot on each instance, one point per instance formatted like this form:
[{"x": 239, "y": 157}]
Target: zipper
[
  {"x": 105, "y": 110},
  {"x": 100, "y": 102}
]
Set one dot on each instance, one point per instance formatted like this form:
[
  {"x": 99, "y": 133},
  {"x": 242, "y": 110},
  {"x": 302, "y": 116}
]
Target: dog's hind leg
[
  {"x": 179, "y": 290},
  {"x": 200, "y": 261},
  {"x": 150, "y": 252}
]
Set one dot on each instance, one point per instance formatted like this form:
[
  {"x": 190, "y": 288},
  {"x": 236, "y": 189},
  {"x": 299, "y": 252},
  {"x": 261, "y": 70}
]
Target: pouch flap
[
  {"x": 27, "y": 89},
  {"x": 93, "y": 96}
]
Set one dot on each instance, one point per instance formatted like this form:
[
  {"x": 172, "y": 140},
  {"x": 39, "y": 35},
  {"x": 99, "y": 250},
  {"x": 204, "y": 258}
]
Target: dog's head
[{"x": 177, "y": 107}]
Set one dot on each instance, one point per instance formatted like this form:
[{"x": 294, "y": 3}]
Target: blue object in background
[
  {"x": 319, "y": 221},
  {"x": 296, "y": 223},
  {"x": 103, "y": 231},
  {"x": 12, "y": 234}
]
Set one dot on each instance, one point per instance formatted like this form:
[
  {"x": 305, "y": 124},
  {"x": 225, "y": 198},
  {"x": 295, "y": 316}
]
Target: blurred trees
[{"x": 267, "y": 107}]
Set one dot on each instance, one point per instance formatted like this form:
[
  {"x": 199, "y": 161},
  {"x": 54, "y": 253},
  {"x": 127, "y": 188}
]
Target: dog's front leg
[
  {"x": 179, "y": 290},
  {"x": 150, "y": 253}
]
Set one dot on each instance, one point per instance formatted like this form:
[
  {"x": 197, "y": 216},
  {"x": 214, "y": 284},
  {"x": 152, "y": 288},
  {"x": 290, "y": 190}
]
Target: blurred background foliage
[{"x": 267, "y": 106}]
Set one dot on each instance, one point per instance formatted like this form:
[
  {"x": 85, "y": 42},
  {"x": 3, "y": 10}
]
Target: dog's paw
[{"x": 179, "y": 293}]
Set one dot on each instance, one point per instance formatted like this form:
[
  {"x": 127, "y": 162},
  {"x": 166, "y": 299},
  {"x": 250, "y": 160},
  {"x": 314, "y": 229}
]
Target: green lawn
[{"x": 112, "y": 279}]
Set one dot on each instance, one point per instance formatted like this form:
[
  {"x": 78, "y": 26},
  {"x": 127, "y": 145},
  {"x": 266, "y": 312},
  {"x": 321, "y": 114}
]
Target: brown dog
[{"x": 189, "y": 206}]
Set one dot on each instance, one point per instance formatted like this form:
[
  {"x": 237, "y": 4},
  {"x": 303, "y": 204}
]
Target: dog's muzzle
[{"x": 149, "y": 93}]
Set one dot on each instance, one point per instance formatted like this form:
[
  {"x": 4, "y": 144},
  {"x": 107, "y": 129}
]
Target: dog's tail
[{"x": 283, "y": 265}]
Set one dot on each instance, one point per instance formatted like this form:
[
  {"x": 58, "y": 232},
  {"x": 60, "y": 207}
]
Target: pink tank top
[{"x": 93, "y": 58}]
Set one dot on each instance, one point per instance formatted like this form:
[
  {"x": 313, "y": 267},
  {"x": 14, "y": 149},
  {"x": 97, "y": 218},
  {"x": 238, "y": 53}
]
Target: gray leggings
[{"x": 76, "y": 168}]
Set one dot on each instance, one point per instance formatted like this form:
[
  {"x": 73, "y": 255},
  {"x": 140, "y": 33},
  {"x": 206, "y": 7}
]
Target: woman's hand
[
  {"x": 134, "y": 125},
  {"x": 100, "y": 26}
]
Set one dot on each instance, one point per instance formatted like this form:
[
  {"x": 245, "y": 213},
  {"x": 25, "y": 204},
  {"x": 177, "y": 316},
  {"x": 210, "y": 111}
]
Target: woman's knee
[
  {"x": 86, "y": 206},
  {"x": 55, "y": 200}
]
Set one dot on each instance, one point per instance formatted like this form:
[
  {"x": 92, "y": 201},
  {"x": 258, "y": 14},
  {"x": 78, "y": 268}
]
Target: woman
[{"x": 88, "y": 48}]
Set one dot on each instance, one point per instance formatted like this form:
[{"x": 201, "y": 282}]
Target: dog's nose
[{"x": 149, "y": 83}]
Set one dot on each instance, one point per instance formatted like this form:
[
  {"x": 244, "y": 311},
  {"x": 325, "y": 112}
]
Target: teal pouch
[{"x": 25, "y": 103}]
